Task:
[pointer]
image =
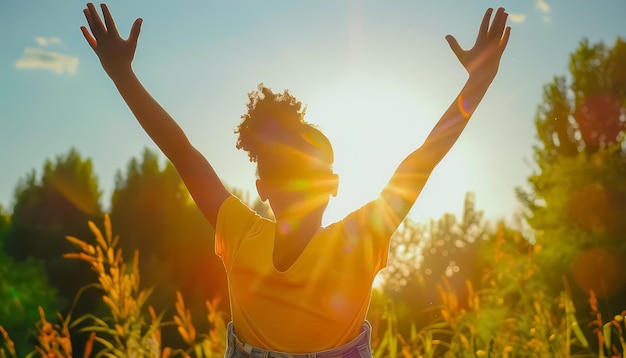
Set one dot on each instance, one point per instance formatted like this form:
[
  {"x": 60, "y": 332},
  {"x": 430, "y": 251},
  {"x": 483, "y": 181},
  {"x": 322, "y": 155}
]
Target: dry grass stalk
[
  {"x": 9, "y": 346},
  {"x": 125, "y": 333}
]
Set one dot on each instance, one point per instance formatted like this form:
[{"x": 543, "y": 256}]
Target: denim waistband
[{"x": 359, "y": 347}]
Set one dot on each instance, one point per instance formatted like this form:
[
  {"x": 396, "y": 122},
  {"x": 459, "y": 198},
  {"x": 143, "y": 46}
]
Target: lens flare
[
  {"x": 600, "y": 119},
  {"x": 600, "y": 271},
  {"x": 68, "y": 187},
  {"x": 464, "y": 107}
]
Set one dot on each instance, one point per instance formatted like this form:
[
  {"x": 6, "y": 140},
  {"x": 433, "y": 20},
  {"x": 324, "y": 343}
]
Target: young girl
[{"x": 297, "y": 288}]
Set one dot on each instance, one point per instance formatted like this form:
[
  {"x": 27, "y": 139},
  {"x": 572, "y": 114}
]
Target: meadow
[{"x": 508, "y": 316}]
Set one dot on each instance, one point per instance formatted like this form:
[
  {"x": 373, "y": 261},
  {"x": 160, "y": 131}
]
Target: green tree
[
  {"x": 451, "y": 250},
  {"x": 23, "y": 288},
  {"x": 576, "y": 203},
  {"x": 5, "y": 220},
  {"x": 58, "y": 203},
  {"x": 46, "y": 210},
  {"x": 443, "y": 253},
  {"x": 154, "y": 214}
]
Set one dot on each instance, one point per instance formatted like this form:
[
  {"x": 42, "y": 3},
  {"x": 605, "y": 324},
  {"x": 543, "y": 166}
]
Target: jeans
[{"x": 359, "y": 347}]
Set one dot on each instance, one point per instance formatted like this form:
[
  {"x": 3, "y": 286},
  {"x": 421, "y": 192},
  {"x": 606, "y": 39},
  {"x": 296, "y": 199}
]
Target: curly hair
[{"x": 278, "y": 118}]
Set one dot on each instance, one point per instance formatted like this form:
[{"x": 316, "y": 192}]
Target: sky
[{"x": 375, "y": 77}]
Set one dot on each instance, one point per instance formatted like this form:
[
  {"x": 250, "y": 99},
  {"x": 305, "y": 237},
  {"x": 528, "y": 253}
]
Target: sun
[{"x": 373, "y": 124}]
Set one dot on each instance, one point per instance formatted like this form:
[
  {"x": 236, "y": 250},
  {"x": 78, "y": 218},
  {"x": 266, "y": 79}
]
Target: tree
[
  {"x": 451, "y": 251},
  {"x": 576, "y": 203},
  {"x": 153, "y": 213},
  {"x": 585, "y": 113},
  {"x": 443, "y": 253},
  {"x": 5, "y": 220},
  {"x": 46, "y": 210},
  {"x": 23, "y": 289}
]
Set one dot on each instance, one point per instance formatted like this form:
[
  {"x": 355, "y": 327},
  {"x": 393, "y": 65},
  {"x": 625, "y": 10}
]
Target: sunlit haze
[{"x": 375, "y": 76}]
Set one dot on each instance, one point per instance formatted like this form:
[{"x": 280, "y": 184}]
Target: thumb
[{"x": 454, "y": 45}]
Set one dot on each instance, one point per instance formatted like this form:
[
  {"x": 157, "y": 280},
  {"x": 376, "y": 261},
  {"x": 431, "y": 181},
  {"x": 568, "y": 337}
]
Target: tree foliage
[
  {"x": 585, "y": 110},
  {"x": 152, "y": 210},
  {"x": 23, "y": 289},
  {"x": 48, "y": 208},
  {"x": 576, "y": 203},
  {"x": 5, "y": 221},
  {"x": 446, "y": 251}
]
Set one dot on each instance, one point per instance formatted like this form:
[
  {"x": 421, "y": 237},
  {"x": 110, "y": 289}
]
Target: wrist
[
  {"x": 120, "y": 74},
  {"x": 482, "y": 77}
]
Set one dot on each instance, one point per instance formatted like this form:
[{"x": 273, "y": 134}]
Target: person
[{"x": 296, "y": 287}]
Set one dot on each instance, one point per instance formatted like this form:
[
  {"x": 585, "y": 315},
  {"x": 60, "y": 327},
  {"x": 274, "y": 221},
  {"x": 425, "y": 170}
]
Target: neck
[{"x": 300, "y": 226}]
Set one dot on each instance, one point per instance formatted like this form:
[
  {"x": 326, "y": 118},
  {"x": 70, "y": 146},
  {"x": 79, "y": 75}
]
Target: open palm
[
  {"x": 483, "y": 58},
  {"x": 115, "y": 53}
]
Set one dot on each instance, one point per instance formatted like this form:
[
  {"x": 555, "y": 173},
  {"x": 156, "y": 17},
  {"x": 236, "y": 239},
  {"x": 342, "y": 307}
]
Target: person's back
[
  {"x": 296, "y": 286},
  {"x": 320, "y": 300}
]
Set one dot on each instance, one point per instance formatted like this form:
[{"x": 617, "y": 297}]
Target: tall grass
[
  {"x": 507, "y": 317},
  {"x": 130, "y": 329}
]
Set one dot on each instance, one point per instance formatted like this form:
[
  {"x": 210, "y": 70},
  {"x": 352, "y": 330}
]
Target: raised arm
[
  {"x": 481, "y": 62},
  {"x": 116, "y": 56}
]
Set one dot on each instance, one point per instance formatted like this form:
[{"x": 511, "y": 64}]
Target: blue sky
[{"x": 375, "y": 75}]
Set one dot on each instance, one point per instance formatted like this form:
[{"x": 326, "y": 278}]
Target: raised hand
[
  {"x": 483, "y": 58},
  {"x": 115, "y": 53}
]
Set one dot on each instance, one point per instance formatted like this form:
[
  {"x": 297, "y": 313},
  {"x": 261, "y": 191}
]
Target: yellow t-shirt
[{"x": 321, "y": 301}]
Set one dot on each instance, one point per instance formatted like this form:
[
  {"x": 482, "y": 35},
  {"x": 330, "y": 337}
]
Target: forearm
[
  {"x": 481, "y": 62},
  {"x": 116, "y": 55},
  {"x": 452, "y": 123},
  {"x": 412, "y": 174},
  {"x": 153, "y": 118},
  {"x": 196, "y": 172}
]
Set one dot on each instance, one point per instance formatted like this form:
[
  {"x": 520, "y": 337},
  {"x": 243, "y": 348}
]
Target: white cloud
[
  {"x": 517, "y": 18},
  {"x": 45, "y": 41},
  {"x": 543, "y": 6},
  {"x": 34, "y": 58}
]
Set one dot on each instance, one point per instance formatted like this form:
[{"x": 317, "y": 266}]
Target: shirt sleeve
[
  {"x": 235, "y": 221},
  {"x": 370, "y": 228}
]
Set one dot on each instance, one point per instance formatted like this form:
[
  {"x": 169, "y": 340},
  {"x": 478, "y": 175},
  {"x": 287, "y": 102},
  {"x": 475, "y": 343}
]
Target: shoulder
[
  {"x": 366, "y": 233},
  {"x": 233, "y": 211},
  {"x": 236, "y": 222},
  {"x": 374, "y": 218}
]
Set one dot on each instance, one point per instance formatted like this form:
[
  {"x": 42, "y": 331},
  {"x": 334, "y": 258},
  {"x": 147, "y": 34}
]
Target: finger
[
  {"x": 484, "y": 25},
  {"x": 454, "y": 45},
  {"x": 92, "y": 26},
  {"x": 95, "y": 23},
  {"x": 90, "y": 39},
  {"x": 505, "y": 38},
  {"x": 134, "y": 32},
  {"x": 108, "y": 20},
  {"x": 499, "y": 22}
]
